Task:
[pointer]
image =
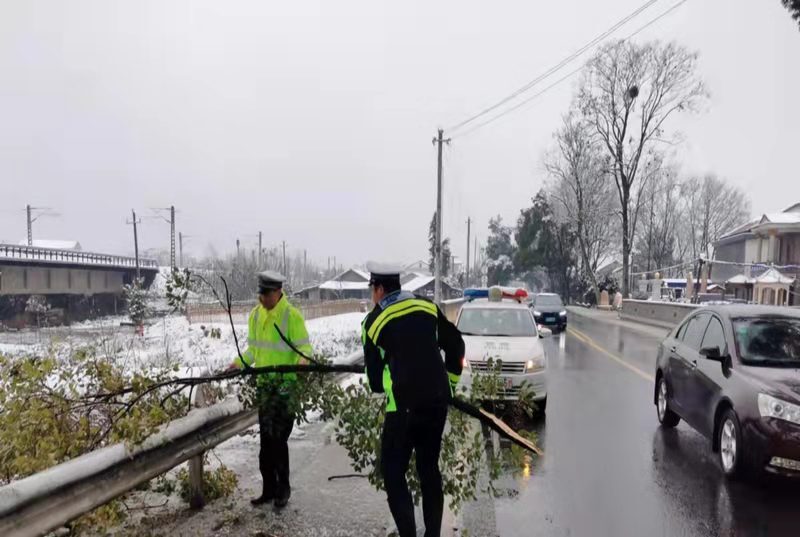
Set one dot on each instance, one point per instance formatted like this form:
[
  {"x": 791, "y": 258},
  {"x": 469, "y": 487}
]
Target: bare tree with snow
[
  {"x": 713, "y": 207},
  {"x": 583, "y": 192},
  {"x": 627, "y": 93}
]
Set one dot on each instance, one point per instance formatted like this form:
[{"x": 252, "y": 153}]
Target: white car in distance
[{"x": 497, "y": 325}]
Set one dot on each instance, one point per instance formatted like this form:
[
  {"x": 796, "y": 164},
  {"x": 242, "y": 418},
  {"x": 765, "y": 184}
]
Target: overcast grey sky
[{"x": 312, "y": 120}]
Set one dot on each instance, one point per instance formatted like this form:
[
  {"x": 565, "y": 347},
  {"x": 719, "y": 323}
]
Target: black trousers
[
  {"x": 275, "y": 425},
  {"x": 420, "y": 431}
]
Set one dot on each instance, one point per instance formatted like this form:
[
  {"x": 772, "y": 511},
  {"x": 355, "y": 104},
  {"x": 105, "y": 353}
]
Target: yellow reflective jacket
[{"x": 265, "y": 346}]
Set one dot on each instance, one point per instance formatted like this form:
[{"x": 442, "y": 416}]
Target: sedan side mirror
[
  {"x": 712, "y": 353},
  {"x": 545, "y": 332}
]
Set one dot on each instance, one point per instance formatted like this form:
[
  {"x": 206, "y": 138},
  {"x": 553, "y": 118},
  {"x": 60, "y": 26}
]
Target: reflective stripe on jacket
[
  {"x": 402, "y": 338},
  {"x": 264, "y": 344}
]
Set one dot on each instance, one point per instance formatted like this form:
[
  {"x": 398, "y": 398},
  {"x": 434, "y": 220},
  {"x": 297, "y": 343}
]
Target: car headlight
[
  {"x": 537, "y": 313},
  {"x": 562, "y": 313},
  {"x": 772, "y": 407},
  {"x": 535, "y": 364}
]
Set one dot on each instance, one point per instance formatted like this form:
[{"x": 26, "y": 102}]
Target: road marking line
[{"x": 621, "y": 361}]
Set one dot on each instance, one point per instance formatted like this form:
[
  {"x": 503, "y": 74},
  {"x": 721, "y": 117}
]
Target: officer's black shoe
[
  {"x": 282, "y": 500},
  {"x": 261, "y": 500}
]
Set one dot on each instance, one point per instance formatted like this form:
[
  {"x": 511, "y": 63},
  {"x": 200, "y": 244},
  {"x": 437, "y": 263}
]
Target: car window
[
  {"x": 681, "y": 330},
  {"x": 768, "y": 341},
  {"x": 695, "y": 330},
  {"x": 547, "y": 300},
  {"x": 497, "y": 322},
  {"x": 715, "y": 336}
]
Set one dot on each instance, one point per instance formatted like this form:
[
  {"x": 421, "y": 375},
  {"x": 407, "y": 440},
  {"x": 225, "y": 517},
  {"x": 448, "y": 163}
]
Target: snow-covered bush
[
  {"x": 138, "y": 301},
  {"x": 179, "y": 283},
  {"x": 37, "y": 306}
]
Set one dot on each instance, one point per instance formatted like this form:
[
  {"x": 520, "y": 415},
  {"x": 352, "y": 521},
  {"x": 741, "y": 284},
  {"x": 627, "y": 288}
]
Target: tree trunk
[
  {"x": 586, "y": 264},
  {"x": 626, "y": 248}
]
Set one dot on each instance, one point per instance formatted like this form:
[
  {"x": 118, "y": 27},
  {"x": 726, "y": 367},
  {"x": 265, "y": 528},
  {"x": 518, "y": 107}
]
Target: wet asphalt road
[{"x": 609, "y": 470}]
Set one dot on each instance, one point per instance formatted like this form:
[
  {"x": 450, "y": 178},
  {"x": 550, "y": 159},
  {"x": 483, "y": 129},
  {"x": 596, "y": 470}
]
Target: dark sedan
[
  {"x": 731, "y": 372},
  {"x": 548, "y": 310}
]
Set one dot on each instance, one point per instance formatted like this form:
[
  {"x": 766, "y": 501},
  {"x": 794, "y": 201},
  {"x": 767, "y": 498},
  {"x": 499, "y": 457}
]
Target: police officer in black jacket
[{"x": 402, "y": 338}]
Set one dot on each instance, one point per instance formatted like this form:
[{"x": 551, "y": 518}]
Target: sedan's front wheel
[
  {"x": 666, "y": 417},
  {"x": 731, "y": 449}
]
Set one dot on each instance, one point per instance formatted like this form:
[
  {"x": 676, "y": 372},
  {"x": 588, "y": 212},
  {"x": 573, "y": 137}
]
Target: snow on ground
[{"x": 172, "y": 340}]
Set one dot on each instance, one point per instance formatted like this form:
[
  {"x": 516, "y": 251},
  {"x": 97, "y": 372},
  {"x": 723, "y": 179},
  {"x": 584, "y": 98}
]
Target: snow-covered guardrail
[
  {"x": 45, "y": 501},
  {"x": 664, "y": 314}
]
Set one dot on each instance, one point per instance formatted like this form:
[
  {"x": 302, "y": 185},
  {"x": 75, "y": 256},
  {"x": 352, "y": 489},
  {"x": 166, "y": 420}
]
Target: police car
[{"x": 496, "y": 324}]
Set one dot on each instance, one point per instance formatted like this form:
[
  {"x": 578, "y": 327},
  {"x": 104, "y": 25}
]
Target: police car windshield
[
  {"x": 547, "y": 300},
  {"x": 496, "y": 322}
]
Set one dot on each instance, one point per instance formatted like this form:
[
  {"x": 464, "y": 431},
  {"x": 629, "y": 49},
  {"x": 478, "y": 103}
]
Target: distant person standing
[
  {"x": 274, "y": 316},
  {"x": 402, "y": 338}
]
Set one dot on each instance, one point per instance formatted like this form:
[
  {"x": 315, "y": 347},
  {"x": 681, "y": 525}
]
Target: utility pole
[
  {"x": 30, "y": 226},
  {"x": 238, "y": 252},
  {"x": 285, "y": 274},
  {"x": 43, "y": 211},
  {"x": 466, "y": 278},
  {"x": 305, "y": 265},
  {"x": 171, "y": 222},
  {"x": 172, "y": 236},
  {"x": 260, "y": 251},
  {"x": 475, "y": 265},
  {"x": 180, "y": 248},
  {"x": 437, "y": 289},
  {"x": 135, "y": 242}
]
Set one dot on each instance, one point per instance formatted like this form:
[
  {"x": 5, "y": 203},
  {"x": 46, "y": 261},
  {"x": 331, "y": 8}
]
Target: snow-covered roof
[
  {"x": 793, "y": 209},
  {"x": 358, "y": 272},
  {"x": 361, "y": 273},
  {"x": 741, "y": 279},
  {"x": 780, "y": 218},
  {"x": 773, "y": 276},
  {"x": 740, "y": 229},
  {"x": 334, "y": 285},
  {"x": 55, "y": 244},
  {"x": 418, "y": 282}
]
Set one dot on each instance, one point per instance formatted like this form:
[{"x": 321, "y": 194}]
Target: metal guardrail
[
  {"x": 451, "y": 307},
  {"x": 55, "y": 255},
  {"x": 46, "y": 501}
]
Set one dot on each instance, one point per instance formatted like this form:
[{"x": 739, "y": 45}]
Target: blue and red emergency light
[{"x": 495, "y": 293}]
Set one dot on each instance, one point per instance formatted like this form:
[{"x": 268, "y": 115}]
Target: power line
[
  {"x": 562, "y": 79},
  {"x": 518, "y": 105},
  {"x": 556, "y": 67},
  {"x": 656, "y": 19}
]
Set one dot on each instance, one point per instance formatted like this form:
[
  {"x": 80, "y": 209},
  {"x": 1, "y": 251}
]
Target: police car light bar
[
  {"x": 473, "y": 293},
  {"x": 495, "y": 293}
]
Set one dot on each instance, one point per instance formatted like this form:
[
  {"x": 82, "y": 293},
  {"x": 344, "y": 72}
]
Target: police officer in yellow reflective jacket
[
  {"x": 403, "y": 338},
  {"x": 274, "y": 316}
]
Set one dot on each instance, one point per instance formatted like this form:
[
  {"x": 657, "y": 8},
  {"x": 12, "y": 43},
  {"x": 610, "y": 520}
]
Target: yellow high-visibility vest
[{"x": 265, "y": 346}]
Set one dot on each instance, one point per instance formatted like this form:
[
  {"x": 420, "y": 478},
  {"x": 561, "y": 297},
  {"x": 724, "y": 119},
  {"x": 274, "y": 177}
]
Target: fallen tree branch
[{"x": 496, "y": 424}]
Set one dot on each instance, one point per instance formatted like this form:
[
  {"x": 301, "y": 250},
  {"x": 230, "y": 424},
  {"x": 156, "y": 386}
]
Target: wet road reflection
[{"x": 609, "y": 470}]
